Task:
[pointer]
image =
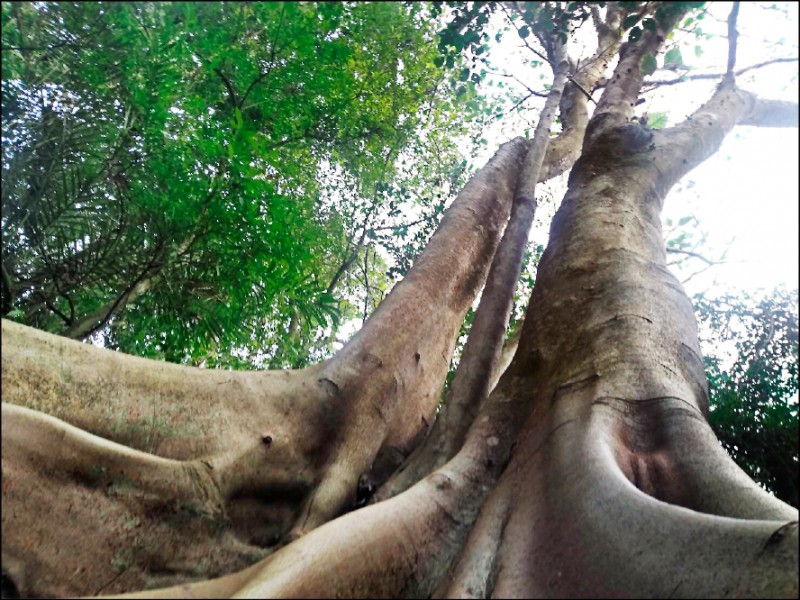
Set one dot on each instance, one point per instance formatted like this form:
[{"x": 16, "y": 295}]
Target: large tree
[{"x": 587, "y": 469}]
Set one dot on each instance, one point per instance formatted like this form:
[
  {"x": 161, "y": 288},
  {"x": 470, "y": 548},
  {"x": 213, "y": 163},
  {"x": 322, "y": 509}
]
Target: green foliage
[
  {"x": 657, "y": 120},
  {"x": 754, "y": 396},
  {"x": 662, "y": 18},
  {"x": 673, "y": 58},
  {"x": 222, "y": 157}
]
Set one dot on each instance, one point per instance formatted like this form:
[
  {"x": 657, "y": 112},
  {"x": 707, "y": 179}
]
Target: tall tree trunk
[{"x": 483, "y": 349}]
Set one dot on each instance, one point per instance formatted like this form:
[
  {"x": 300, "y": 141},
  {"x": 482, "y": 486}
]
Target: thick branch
[
  {"x": 771, "y": 113},
  {"x": 681, "y": 148},
  {"x": 484, "y": 345},
  {"x": 616, "y": 105}
]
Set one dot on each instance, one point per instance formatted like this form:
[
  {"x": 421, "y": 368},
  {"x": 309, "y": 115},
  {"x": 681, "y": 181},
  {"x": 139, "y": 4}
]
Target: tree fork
[{"x": 616, "y": 457}]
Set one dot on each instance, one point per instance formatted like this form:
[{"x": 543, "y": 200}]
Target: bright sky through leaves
[{"x": 748, "y": 191}]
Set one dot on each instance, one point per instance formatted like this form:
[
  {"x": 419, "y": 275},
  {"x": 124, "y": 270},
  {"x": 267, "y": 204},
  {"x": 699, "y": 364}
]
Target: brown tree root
[
  {"x": 29, "y": 437},
  {"x": 280, "y": 450},
  {"x": 400, "y": 547}
]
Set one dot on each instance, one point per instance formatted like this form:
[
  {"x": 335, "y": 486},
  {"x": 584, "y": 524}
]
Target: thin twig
[
  {"x": 522, "y": 83},
  {"x": 570, "y": 78},
  {"x": 226, "y": 81},
  {"x": 695, "y": 255},
  {"x": 654, "y": 84},
  {"x": 411, "y": 224},
  {"x": 267, "y": 71}
]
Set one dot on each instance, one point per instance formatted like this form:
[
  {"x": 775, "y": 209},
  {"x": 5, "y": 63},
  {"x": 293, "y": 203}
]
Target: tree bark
[{"x": 482, "y": 351}]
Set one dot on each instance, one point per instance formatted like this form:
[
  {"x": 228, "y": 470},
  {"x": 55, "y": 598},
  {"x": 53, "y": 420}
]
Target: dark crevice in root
[
  {"x": 364, "y": 491},
  {"x": 779, "y": 534},
  {"x": 8, "y": 588}
]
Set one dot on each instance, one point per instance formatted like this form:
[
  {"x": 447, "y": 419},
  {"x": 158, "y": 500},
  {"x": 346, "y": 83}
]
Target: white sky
[{"x": 746, "y": 196}]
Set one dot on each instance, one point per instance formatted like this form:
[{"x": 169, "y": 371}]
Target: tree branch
[
  {"x": 8, "y": 291},
  {"x": 708, "y": 261},
  {"x": 90, "y": 323},
  {"x": 271, "y": 58},
  {"x": 229, "y": 85},
  {"x": 733, "y": 37},
  {"x": 651, "y": 85},
  {"x": 771, "y": 113}
]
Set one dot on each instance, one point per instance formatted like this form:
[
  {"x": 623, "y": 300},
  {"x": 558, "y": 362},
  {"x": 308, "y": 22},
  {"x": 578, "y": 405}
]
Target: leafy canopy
[{"x": 188, "y": 179}]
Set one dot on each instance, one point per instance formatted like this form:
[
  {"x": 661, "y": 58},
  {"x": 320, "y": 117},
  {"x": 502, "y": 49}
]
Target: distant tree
[{"x": 753, "y": 395}]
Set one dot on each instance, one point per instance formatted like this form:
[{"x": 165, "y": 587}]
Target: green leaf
[
  {"x": 464, "y": 75},
  {"x": 635, "y": 34},
  {"x": 649, "y": 65},
  {"x": 657, "y": 120},
  {"x": 630, "y": 21},
  {"x": 523, "y": 32},
  {"x": 649, "y": 24},
  {"x": 673, "y": 58}
]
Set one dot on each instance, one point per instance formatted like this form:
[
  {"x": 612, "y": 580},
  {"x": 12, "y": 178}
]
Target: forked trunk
[{"x": 618, "y": 487}]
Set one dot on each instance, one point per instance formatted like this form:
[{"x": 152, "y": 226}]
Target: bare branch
[
  {"x": 518, "y": 80},
  {"x": 651, "y": 85},
  {"x": 708, "y": 261},
  {"x": 692, "y": 276},
  {"x": 733, "y": 36}
]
